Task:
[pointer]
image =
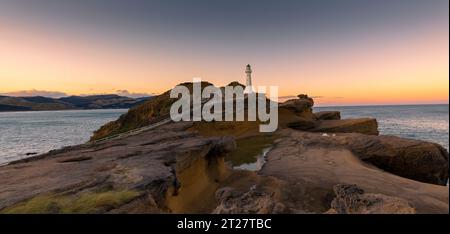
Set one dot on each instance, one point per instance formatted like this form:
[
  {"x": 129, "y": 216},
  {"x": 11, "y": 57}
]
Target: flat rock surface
[
  {"x": 312, "y": 165},
  {"x": 328, "y": 115},
  {"x": 363, "y": 125}
]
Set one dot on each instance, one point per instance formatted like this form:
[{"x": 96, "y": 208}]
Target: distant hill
[{"x": 39, "y": 103}]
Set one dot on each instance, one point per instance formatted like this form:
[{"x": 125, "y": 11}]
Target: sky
[{"x": 346, "y": 52}]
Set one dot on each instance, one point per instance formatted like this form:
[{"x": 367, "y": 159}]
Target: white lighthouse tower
[{"x": 248, "y": 87}]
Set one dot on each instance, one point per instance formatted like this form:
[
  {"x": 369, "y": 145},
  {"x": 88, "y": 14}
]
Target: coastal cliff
[{"x": 317, "y": 163}]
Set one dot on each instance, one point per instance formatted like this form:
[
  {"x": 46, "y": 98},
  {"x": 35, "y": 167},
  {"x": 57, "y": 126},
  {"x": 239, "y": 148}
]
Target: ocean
[
  {"x": 23, "y": 133},
  {"x": 421, "y": 122}
]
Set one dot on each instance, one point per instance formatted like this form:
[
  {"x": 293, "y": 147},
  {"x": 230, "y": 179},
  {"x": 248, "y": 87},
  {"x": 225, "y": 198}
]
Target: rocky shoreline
[{"x": 318, "y": 164}]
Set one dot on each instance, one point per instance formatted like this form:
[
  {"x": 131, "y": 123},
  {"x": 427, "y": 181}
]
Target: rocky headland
[
  {"x": 317, "y": 163},
  {"x": 92, "y": 102}
]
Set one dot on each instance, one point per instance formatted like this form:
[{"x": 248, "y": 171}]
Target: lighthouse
[{"x": 248, "y": 72}]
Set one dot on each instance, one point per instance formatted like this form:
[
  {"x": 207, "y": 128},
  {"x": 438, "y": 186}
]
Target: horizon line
[
  {"x": 319, "y": 105},
  {"x": 374, "y": 105}
]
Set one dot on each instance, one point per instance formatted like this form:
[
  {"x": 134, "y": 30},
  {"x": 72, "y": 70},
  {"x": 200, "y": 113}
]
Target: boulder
[
  {"x": 418, "y": 160},
  {"x": 365, "y": 126},
  {"x": 297, "y": 105},
  {"x": 350, "y": 199},
  {"x": 301, "y": 106},
  {"x": 328, "y": 115},
  {"x": 303, "y": 124},
  {"x": 306, "y": 98}
]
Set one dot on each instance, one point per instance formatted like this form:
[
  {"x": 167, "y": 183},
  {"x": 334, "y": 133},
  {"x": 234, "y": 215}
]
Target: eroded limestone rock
[{"x": 350, "y": 199}]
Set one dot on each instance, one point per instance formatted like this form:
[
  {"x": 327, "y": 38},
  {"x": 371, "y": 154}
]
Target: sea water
[
  {"x": 421, "y": 122},
  {"x": 24, "y": 134}
]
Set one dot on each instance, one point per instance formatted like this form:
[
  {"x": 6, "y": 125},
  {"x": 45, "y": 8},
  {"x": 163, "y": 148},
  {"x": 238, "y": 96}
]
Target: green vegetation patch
[{"x": 89, "y": 202}]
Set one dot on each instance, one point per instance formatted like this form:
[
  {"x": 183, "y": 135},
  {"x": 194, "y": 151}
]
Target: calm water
[
  {"x": 422, "y": 122},
  {"x": 41, "y": 131},
  {"x": 258, "y": 164}
]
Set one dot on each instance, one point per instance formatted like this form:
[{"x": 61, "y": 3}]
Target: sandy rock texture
[
  {"x": 352, "y": 200},
  {"x": 328, "y": 115},
  {"x": 312, "y": 164}
]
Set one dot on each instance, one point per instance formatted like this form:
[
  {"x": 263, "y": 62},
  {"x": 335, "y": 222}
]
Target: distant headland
[{"x": 40, "y": 103}]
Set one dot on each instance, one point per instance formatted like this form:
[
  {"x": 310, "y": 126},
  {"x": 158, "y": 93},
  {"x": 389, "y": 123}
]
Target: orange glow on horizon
[{"x": 404, "y": 71}]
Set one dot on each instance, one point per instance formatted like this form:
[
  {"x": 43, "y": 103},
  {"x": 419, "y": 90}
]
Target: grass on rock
[{"x": 88, "y": 202}]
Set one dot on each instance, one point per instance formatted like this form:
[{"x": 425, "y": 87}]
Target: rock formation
[
  {"x": 328, "y": 115},
  {"x": 365, "y": 126},
  {"x": 312, "y": 163},
  {"x": 302, "y": 106},
  {"x": 147, "y": 168},
  {"x": 351, "y": 199},
  {"x": 326, "y": 122},
  {"x": 414, "y": 159},
  {"x": 253, "y": 201}
]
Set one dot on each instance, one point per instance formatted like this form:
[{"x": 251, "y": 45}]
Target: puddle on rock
[
  {"x": 255, "y": 166},
  {"x": 251, "y": 152}
]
